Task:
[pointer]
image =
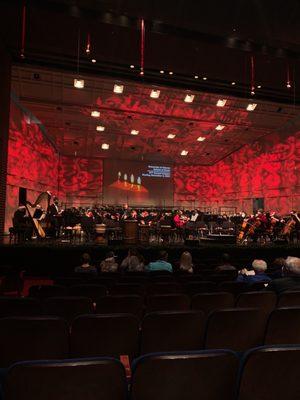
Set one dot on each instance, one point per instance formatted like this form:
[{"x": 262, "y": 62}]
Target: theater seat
[
  {"x": 91, "y": 379},
  {"x": 44, "y": 291},
  {"x": 270, "y": 373},
  {"x": 167, "y": 302},
  {"x": 193, "y": 288},
  {"x": 67, "y": 307},
  {"x": 16, "y": 306},
  {"x": 263, "y": 300},
  {"x": 185, "y": 376},
  {"x": 164, "y": 288},
  {"x": 283, "y": 326},
  {"x": 236, "y": 329},
  {"x": 289, "y": 299},
  {"x": 121, "y": 304},
  {"x": 32, "y": 338},
  {"x": 124, "y": 289},
  {"x": 105, "y": 335},
  {"x": 234, "y": 287},
  {"x": 208, "y": 302},
  {"x": 172, "y": 331},
  {"x": 91, "y": 291}
]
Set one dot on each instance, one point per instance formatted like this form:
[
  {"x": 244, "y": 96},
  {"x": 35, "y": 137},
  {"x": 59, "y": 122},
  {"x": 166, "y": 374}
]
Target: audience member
[
  {"x": 278, "y": 268},
  {"x": 226, "y": 264},
  {"x": 186, "y": 262},
  {"x": 292, "y": 279},
  {"x": 85, "y": 267},
  {"x": 257, "y": 274},
  {"x": 161, "y": 264},
  {"x": 109, "y": 264},
  {"x": 134, "y": 262}
]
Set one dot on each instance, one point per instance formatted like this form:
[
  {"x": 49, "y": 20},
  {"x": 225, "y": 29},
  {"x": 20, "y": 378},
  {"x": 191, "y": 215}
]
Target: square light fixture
[
  {"x": 184, "y": 153},
  {"x": 220, "y": 127},
  {"x": 201, "y": 138},
  {"x": 79, "y": 83},
  {"x": 221, "y": 102},
  {"x": 134, "y": 132},
  {"x": 100, "y": 128},
  {"x": 155, "y": 93},
  {"x": 95, "y": 114},
  {"x": 189, "y": 98},
  {"x": 251, "y": 106},
  {"x": 105, "y": 146},
  {"x": 118, "y": 88},
  {"x": 171, "y": 136}
]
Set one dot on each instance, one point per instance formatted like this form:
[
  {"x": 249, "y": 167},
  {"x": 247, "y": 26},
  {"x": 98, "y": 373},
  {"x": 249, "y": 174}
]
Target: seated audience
[
  {"x": 292, "y": 279},
  {"x": 226, "y": 264},
  {"x": 161, "y": 264},
  {"x": 257, "y": 274},
  {"x": 134, "y": 262},
  {"x": 85, "y": 267},
  {"x": 278, "y": 268},
  {"x": 109, "y": 264},
  {"x": 186, "y": 262}
]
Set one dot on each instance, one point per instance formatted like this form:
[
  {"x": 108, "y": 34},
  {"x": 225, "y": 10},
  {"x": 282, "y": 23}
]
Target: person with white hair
[
  {"x": 291, "y": 281},
  {"x": 257, "y": 274}
]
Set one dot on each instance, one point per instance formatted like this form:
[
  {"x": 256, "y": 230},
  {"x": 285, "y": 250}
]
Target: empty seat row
[
  {"x": 263, "y": 373},
  {"x": 119, "y": 335}
]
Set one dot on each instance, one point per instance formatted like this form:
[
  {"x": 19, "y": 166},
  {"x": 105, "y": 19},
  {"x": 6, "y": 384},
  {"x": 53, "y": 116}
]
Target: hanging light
[{"x": 79, "y": 83}]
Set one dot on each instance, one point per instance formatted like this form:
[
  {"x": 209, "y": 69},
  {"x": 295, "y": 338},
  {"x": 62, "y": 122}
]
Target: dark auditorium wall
[{"x": 268, "y": 168}]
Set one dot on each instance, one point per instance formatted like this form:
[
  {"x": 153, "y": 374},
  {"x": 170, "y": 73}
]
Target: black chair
[
  {"x": 193, "y": 288},
  {"x": 234, "y": 287},
  {"x": 189, "y": 376},
  {"x": 159, "y": 278},
  {"x": 167, "y": 302},
  {"x": 271, "y": 373},
  {"x": 164, "y": 288},
  {"x": 32, "y": 338},
  {"x": 102, "y": 280},
  {"x": 104, "y": 335},
  {"x": 71, "y": 379},
  {"x": 94, "y": 292},
  {"x": 67, "y": 307},
  {"x": 124, "y": 289},
  {"x": 208, "y": 302},
  {"x": 70, "y": 280},
  {"x": 283, "y": 326},
  {"x": 263, "y": 300},
  {"x": 121, "y": 304},
  {"x": 235, "y": 329},
  {"x": 289, "y": 299},
  {"x": 44, "y": 291},
  {"x": 19, "y": 307},
  {"x": 172, "y": 331}
]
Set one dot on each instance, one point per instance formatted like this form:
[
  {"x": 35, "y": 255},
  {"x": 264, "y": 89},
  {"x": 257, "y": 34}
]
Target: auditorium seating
[
  {"x": 45, "y": 291},
  {"x": 167, "y": 302},
  {"x": 130, "y": 304},
  {"x": 127, "y": 289},
  {"x": 67, "y": 307},
  {"x": 172, "y": 331},
  {"x": 289, "y": 299},
  {"x": 210, "y": 375},
  {"x": 195, "y": 287},
  {"x": 163, "y": 288},
  {"x": 283, "y": 326},
  {"x": 17, "y": 306},
  {"x": 72, "y": 379},
  {"x": 263, "y": 300},
  {"x": 233, "y": 287},
  {"x": 92, "y": 291},
  {"x": 208, "y": 302}
]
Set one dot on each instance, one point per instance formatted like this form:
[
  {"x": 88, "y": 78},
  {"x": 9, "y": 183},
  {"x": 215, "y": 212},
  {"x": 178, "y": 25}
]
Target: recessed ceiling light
[
  {"x": 220, "y": 127},
  {"x": 201, "y": 138},
  {"x": 155, "y": 93},
  {"x": 259, "y": 87},
  {"x": 184, "y": 153},
  {"x": 134, "y": 132},
  {"x": 93, "y": 60},
  {"x": 118, "y": 88},
  {"x": 95, "y": 114},
  {"x": 171, "y": 136},
  {"x": 251, "y": 106},
  {"x": 170, "y": 73},
  {"x": 196, "y": 77},
  {"x": 233, "y": 83},
  {"x": 204, "y": 78},
  {"x": 105, "y": 146},
  {"x": 131, "y": 66},
  {"x": 79, "y": 83},
  {"x": 221, "y": 102},
  {"x": 189, "y": 98},
  {"x": 100, "y": 128},
  {"x": 162, "y": 71}
]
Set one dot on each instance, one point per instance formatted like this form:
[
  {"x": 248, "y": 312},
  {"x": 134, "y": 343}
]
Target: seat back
[
  {"x": 193, "y": 288},
  {"x": 32, "y": 338},
  {"x": 167, "y": 302},
  {"x": 44, "y": 291},
  {"x": 163, "y": 288},
  {"x": 72, "y": 379},
  {"x": 235, "y": 329},
  {"x": 105, "y": 335},
  {"x": 67, "y": 307},
  {"x": 198, "y": 375},
  {"x": 124, "y": 289},
  {"x": 234, "y": 287},
  {"x": 172, "y": 331},
  {"x": 208, "y": 302},
  {"x": 121, "y": 304},
  {"x": 21, "y": 307},
  {"x": 289, "y": 299},
  {"x": 263, "y": 300},
  {"x": 283, "y": 326},
  {"x": 91, "y": 291},
  {"x": 270, "y": 373}
]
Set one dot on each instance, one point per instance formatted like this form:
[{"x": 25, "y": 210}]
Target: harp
[{"x": 44, "y": 200}]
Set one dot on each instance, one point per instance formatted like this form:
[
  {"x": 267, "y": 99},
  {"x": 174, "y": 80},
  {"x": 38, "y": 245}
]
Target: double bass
[{"x": 31, "y": 208}]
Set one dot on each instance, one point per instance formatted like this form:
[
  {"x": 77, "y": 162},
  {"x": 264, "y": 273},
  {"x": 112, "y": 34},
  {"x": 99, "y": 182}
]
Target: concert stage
[{"x": 56, "y": 257}]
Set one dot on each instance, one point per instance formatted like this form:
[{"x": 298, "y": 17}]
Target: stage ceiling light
[
  {"x": 131, "y": 66},
  {"x": 162, "y": 71},
  {"x": 204, "y": 78},
  {"x": 95, "y": 114},
  {"x": 79, "y": 83},
  {"x": 221, "y": 102},
  {"x": 201, "y": 138},
  {"x": 196, "y": 77},
  {"x": 233, "y": 83},
  {"x": 189, "y": 98},
  {"x": 118, "y": 88},
  {"x": 220, "y": 127},
  {"x": 100, "y": 128},
  {"x": 105, "y": 146},
  {"x": 94, "y": 60},
  {"x": 134, "y": 132},
  {"x": 155, "y": 93},
  {"x": 171, "y": 136},
  {"x": 170, "y": 73},
  {"x": 259, "y": 87},
  {"x": 251, "y": 106},
  {"x": 184, "y": 153}
]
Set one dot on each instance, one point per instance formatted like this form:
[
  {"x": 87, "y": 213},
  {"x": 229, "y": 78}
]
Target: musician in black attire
[
  {"x": 54, "y": 218},
  {"x": 88, "y": 225},
  {"x": 21, "y": 224}
]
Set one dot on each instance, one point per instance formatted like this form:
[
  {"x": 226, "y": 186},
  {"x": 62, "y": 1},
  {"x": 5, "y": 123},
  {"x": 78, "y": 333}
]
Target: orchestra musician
[{"x": 55, "y": 217}]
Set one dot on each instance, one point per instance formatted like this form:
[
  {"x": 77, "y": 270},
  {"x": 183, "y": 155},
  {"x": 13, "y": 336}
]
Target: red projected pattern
[{"x": 267, "y": 168}]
